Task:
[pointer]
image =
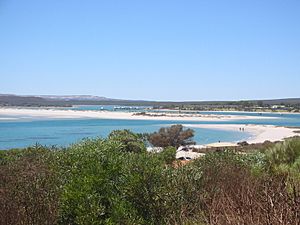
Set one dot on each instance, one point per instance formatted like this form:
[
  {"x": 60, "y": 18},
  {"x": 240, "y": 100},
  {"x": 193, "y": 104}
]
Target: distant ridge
[
  {"x": 69, "y": 100},
  {"x": 75, "y": 97},
  {"x": 59, "y": 100}
]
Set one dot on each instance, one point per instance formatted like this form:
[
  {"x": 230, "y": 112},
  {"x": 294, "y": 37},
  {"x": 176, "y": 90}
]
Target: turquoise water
[{"x": 62, "y": 132}]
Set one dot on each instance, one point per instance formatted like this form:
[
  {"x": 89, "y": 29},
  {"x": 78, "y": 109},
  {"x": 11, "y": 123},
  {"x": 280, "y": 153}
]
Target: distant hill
[
  {"x": 69, "y": 100},
  {"x": 75, "y": 97},
  {"x": 14, "y": 100},
  {"x": 60, "y": 100}
]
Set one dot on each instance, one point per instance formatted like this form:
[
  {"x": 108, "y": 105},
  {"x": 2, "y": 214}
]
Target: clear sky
[{"x": 151, "y": 49}]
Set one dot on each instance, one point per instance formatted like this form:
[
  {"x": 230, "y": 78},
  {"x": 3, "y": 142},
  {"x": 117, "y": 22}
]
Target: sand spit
[
  {"x": 259, "y": 133},
  {"x": 42, "y": 113}
]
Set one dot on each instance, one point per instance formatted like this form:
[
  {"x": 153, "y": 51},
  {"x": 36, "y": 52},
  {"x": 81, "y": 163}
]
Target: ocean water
[{"x": 63, "y": 132}]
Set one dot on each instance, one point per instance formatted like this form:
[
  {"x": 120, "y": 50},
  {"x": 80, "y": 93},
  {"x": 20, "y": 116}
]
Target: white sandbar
[
  {"x": 259, "y": 133},
  {"x": 73, "y": 114}
]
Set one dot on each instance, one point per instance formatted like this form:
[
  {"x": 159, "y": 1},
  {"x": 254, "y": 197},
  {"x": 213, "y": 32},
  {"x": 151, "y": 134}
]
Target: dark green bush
[
  {"x": 130, "y": 141},
  {"x": 168, "y": 155}
]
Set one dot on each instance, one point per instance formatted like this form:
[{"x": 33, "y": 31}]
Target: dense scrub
[
  {"x": 28, "y": 187},
  {"x": 115, "y": 181}
]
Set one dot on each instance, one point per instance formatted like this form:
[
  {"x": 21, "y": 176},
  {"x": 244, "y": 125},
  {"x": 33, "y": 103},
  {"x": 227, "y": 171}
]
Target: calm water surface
[{"x": 62, "y": 132}]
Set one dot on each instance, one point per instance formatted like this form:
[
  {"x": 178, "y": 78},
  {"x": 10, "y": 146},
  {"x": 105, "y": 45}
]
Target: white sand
[
  {"x": 73, "y": 114},
  {"x": 5, "y": 118},
  {"x": 259, "y": 133}
]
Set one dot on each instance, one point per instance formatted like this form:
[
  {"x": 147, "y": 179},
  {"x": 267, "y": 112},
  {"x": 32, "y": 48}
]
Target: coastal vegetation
[
  {"x": 174, "y": 136},
  {"x": 116, "y": 181},
  {"x": 249, "y": 106},
  {"x": 273, "y": 105}
]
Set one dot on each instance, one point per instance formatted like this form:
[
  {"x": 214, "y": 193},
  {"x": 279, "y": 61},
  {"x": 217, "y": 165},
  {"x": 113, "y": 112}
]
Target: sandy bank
[
  {"x": 259, "y": 133},
  {"x": 73, "y": 114}
]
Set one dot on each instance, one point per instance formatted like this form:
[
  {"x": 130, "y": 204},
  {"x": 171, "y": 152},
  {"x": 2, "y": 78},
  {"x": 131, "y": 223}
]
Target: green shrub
[
  {"x": 93, "y": 193},
  {"x": 130, "y": 141},
  {"x": 285, "y": 152},
  {"x": 168, "y": 155}
]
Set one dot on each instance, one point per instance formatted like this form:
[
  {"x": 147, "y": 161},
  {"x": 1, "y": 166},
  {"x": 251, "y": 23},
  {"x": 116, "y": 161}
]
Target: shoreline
[
  {"x": 259, "y": 133},
  {"x": 89, "y": 114}
]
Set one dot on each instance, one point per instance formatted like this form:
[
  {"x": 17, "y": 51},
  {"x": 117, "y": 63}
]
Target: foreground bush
[
  {"x": 130, "y": 142},
  {"x": 236, "y": 195},
  {"x": 115, "y": 181},
  {"x": 28, "y": 188}
]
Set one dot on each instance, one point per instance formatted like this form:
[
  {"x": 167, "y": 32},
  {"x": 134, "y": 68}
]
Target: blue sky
[{"x": 156, "y": 49}]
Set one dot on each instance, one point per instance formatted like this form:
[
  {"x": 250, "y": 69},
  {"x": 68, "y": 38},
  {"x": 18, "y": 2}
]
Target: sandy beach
[
  {"x": 26, "y": 113},
  {"x": 259, "y": 133}
]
